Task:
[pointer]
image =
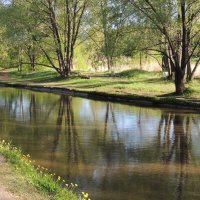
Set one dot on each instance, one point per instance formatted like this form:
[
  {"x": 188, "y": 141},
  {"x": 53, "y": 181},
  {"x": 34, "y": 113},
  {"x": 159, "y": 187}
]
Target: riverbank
[
  {"x": 20, "y": 180},
  {"x": 133, "y": 87}
]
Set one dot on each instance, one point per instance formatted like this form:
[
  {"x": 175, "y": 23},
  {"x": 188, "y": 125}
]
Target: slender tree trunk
[
  {"x": 179, "y": 81},
  {"x": 189, "y": 71},
  {"x": 140, "y": 60}
]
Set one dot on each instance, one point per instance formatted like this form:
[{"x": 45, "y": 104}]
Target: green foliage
[{"x": 107, "y": 35}]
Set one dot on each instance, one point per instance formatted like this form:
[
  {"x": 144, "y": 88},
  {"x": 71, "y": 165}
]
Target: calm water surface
[{"x": 111, "y": 150}]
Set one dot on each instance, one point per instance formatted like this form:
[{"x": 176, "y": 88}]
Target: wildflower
[
  {"x": 86, "y": 195},
  {"x": 59, "y": 178}
]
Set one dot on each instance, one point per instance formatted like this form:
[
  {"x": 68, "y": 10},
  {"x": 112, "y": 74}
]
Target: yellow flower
[
  {"x": 59, "y": 178},
  {"x": 86, "y": 195}
]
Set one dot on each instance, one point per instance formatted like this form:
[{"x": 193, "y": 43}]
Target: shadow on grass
[
  {"x": 96, "y": 83},
  {"x": 172, "y": 94},
  {"x": 42, "y": 77}
]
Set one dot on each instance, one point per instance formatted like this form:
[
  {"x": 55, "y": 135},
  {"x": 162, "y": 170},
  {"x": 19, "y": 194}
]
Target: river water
[{"x": 111, "y": 150}]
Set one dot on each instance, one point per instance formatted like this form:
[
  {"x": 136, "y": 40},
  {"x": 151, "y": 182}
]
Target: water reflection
[
  {"x": 175, "y": 131},
  {"x": 113, "y": 151}
]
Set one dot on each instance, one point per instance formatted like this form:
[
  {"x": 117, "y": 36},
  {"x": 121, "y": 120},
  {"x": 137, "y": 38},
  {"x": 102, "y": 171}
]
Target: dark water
[{"x": 113, "y": 151}]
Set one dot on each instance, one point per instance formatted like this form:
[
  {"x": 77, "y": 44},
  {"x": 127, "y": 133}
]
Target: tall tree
[
  {"x": 176, "y": 22},
  {"x": 61, "y": 22}
]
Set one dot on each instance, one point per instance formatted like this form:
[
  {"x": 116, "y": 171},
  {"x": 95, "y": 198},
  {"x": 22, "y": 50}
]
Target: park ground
[
  {"x": 130, "y": 84},
  {"x": 13, "y": 186}
]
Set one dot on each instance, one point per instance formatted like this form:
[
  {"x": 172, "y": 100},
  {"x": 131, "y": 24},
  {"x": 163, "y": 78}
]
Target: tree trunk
[
  {"x": 108, "y": 63},
  {"x": 189, "y": 71},
  {"x": 140, "y": 60},
  {"x": 179, "y": 82}
]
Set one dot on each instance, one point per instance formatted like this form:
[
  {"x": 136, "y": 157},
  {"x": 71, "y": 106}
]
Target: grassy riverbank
[
  {"x": 128, "y": 85},
  {"x": 135, "y": 82},
  {"x": 27, "y": 182}
]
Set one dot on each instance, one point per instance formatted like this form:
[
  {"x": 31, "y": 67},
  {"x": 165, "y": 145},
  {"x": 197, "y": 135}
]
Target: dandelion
[{"x": 86, "y": 195}]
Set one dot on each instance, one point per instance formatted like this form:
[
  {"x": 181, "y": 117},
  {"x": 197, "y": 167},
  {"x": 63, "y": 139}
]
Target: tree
[
  {"x": 176, "y": 22},
  {"x": 107, "y": 24},
  {"x": 60, "y": 24}
]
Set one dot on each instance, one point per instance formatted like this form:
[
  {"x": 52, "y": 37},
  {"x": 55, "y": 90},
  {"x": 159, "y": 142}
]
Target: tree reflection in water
[
  {"x": 66, "y": 121},
  {"x": 177, "y": 149}
]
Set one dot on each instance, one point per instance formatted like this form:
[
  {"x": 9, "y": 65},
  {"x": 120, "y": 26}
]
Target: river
[{"x": 111, "y": 150}]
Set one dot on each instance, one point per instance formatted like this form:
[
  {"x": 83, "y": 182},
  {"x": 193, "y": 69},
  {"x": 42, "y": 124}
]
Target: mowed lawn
[{"x": 133, "y": 82}]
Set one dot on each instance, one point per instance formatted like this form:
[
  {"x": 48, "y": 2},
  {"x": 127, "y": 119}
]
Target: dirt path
[
  {"x": 14, "y": 186},
  {"x": 4, "y": 194}
]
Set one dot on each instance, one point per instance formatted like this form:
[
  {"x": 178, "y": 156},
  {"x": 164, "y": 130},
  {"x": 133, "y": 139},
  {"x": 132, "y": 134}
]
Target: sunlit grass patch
[
  {"x": 134, "y": 73},
  {"x": 135, "y": 82}
]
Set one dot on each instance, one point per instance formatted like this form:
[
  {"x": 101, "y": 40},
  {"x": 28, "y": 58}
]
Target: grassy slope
[
  {"x": 128, "y": 82},
  {"x": 21, "y": 178}
]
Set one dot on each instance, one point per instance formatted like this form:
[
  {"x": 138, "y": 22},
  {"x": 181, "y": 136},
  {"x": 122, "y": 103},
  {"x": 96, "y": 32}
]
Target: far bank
[{"x": 132, "y": 87}]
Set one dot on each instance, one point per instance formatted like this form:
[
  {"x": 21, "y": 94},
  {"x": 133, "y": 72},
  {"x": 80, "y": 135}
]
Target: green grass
[
  {"x": 39, "y": 177},
  {"x": 130, "y": 82},
  {"x": 134, "y": 73}
]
